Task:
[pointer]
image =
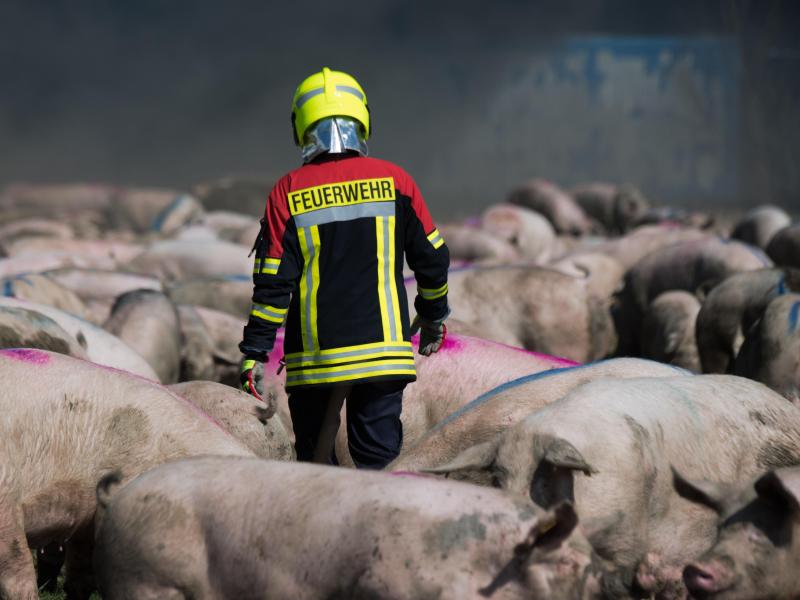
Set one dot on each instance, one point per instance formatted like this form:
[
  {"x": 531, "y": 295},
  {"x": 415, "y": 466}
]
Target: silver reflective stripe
[
  {"x": 435, "y": 239},
  {"x": 340, "y": 88},
  {"x": 263, "y": 308},
  {"x": 345, "y": 213},
  {"x": 293, "y": 378},
  {"x": 308, "y": 95},
  {"x": 387, "y": 275},
  {"x": 351, "y": 90},
  {"x": 348, "y": 354}
]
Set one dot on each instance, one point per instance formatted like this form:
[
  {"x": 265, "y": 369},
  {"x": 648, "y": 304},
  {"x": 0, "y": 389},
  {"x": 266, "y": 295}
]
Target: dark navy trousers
[{"x": 374, "y": 430}]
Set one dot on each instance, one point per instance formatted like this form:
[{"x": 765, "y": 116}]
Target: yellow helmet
[{"x": 328, "y": 94}]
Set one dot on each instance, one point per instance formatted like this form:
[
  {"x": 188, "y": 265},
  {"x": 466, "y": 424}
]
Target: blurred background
[{"x": 694, "y": 101}]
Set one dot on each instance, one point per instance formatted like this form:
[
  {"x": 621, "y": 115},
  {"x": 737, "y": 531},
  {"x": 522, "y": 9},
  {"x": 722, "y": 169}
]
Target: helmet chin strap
[{"x": 333, "y": 135}]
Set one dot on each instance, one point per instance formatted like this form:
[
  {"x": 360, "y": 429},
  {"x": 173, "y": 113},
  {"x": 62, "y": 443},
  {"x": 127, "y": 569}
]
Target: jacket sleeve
[
  {"x": 428, "y": 257},
  {"x": 276, "y": 270}
]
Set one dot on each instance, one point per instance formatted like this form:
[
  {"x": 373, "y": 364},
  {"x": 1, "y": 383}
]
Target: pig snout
[{"x": 708, "y": 578}]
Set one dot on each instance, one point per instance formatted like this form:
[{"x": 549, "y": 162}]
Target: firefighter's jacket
[{"x": 329, "y": 261}]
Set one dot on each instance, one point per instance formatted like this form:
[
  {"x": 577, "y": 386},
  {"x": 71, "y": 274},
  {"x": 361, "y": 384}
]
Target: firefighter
[{"x": 329, "y": 262}]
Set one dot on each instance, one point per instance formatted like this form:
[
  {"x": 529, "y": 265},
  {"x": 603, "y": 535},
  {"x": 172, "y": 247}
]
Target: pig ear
[
  {"x": 783, "y": 485},
  {"x": 708, "y": 493},
  {"x": 476, "y": 458},
  {"x": 550, "y": 530},
  {"x": 560, "y": 453}
]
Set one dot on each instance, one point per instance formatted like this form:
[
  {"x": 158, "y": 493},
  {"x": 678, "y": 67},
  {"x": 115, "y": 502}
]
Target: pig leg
[
  {"x": 78, "y": 577},
  {"x": 17, "y": 575}
]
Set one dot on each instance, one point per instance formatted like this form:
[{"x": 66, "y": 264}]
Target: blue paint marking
[
  {"x": 502, "y": 388},
  {"x": 782, "y": 284},
  {"x": 521, "y": 381},
  {"x": 794, "y": 315},
  {"x": 237, "y": 278},
  {"x": 162, "y": 216},
  {"x": 8, "y": 288}
]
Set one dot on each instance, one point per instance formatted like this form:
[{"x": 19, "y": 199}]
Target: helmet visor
[{"x": 333, "y": 135}]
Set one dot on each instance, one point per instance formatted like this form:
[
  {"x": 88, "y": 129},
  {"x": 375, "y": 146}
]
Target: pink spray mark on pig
[
  {"x": 36, "y": 357},
  {"x": 451, "y": 343}
]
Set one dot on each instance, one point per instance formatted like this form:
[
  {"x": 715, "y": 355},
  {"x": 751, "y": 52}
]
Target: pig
[
  {"x": 534, "y": 308},
  {"x": 101, "y": 346},
  {"x": 179, "y": 260},
  {"x": 148, "y": 322},
  {"x": 526, "y": 230},
  {"x": 144, "y": 210},
  {"x": 554, "y": 203},
  {"x": 730, "y": 309},
  {"x": 198, "y": 358},
  {"x": 231, "y": 226},
  {"x": 499, "y": 408},
  {"x": 604, "y": 274},
  {"x": 462, "y": 368},
  {"x": 784, "y": 247},
  {"x": 616, "y": 207},
  {"x": 232, "y": 294},
  {"x": 251, "y": 422},
  {"x": 22, "y": 328},
  {"x": 247, "y": 196},
  {"x": 609, "y": 446},
  {"x": 43, "y": 289},
  {"x": 37, "y": 262},
  {"x": 67, "y": 423},
  {"x": 364, "y": 535},
  {"x": 118, "y": 252},
  {"x": 771, "y": 351},
  {"x": 475, "y": 245},
  {"x": 685, "y": 266},
  {"x": 56, "y": 200},
  {"x": 97, "y": 284},
  {"x": 641, "y": 241},
  {"x": 35, "y": 227},
  {"x": 760, "y": 224},
  {"x": 211, "y": 344},
  {"x": 756, "y": 555},
  {"x": 668, "y": 330}
]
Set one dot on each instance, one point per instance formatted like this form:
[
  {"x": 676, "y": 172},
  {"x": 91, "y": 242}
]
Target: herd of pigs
[{"x": 615, "y": 411}]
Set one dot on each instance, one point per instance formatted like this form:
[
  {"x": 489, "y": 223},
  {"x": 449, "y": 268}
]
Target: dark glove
[
  {"x": 431, "y": 334},
  {"x": 251, "y": 377}
]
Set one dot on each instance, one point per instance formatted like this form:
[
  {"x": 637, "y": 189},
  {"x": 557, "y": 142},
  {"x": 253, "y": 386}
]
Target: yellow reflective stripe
[
  {"x": 267, "y": 316},
  {"x": 381, "y": 253},
  {"x": 268, "y": 266},
  {"x": 309, "y": 285},
  {"x": 340, "y": 349},
  {"x": 336, "y": 378},
  {"x": 375, "y": 368},
  {"x": 432, "y": 293},
  {"x": 268, "y": 313},
  {"x": 398, "y": 330},
  {"x": 397, "y": 351},
  {"x": 435, "y": 238},
  {"x": 373, "y": 365}
]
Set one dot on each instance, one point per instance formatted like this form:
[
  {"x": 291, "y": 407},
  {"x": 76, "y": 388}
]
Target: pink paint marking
[
  {"x": 36, "y": 357},
  {"x": 451, "y": 342},
  {"x": 456, "y": 343}
]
